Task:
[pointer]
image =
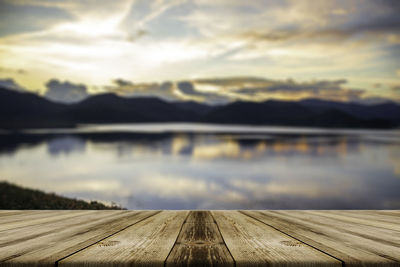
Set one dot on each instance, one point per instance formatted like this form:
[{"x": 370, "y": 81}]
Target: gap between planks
[
  {"x": 229, "y": 238},
  {"x": 199, "y": 241},
  {"x": 307, "y": 244},
  {"x": 145, "y": 218}
]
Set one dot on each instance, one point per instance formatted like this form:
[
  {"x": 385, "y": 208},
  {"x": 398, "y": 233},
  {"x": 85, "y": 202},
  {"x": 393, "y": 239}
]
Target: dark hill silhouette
[
  {"x": 30, "y": 110},
  {"x": 197, "y": 108},
  {"x": 112, "y": 108},
  {"x": 270, "y": 112},
  {"x": 292, "y": 114},
  {"x": 27, "y": 110},
  {"x": 340, "y": 119},
  {"x": 385, "y": 111}
]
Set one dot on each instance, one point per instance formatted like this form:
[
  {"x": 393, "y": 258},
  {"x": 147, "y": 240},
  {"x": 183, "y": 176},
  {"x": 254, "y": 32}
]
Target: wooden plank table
[{"x": 200, "y": 238}]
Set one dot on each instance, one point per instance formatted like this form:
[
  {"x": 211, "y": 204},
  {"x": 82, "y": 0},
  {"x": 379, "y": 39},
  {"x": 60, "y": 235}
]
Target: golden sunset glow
[{"x": 228, "y": 50}]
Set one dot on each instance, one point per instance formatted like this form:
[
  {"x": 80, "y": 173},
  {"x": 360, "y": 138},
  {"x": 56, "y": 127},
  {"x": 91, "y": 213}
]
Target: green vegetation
[{"x": 19, "y": 198}]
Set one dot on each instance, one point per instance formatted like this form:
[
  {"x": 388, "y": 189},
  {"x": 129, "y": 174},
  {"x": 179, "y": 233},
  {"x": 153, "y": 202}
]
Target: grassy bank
[{"x": 16, "y": 197}]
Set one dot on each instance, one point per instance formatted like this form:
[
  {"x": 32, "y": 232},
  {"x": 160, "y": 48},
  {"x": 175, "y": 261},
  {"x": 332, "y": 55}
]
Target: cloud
[
  {"x": 232, "y": 81},
  {"x": 356, "y": 39},
  {"x": 259, "y": 89},
  {"x": 11, "y": 84},
  {"x": 128, "y": 88},
  {"x": 322, "y": 36},
  {"x": 168, "y": 90},
  {"x": 23, "y": 17},
  {"x": 187, "y": 88},
  {"x": 142, "y": 13},
  {"x": 77, "y": 9},
  {"x": 187, "y": 91},
  {"x": 65, "y": 92},
  {"x": 223, "y": 90},
  {"x": 293, "y": 24},
  {"x": 290, "y": 86},
  {"x": 122, "y": 82}
]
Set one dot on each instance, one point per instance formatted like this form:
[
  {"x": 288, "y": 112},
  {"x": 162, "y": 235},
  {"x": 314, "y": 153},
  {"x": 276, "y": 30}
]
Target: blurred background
[{"x": 198, "y": 104}]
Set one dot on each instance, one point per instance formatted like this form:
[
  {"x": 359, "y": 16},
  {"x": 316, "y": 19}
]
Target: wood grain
[
  {"x": 4, "y": 213},
  {"x": 43, "y": 245},
  {"x": 37, "y": 218},
  {"x": 144, "y": 244},
  {"x": 200, "y": 238},
  {"x": 395, "y": 213},
  {"x": 14, "y": 216},
  {"x": 29, "y": 232},
  {"x": 253, "y": 243},
  {"x": 344, "y": 241},
  {"x": 200, "y": 243},
  {"x": 357, "y": 218}
]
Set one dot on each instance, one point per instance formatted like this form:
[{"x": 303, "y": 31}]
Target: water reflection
[
  {"x": 65, "y": 145},
  {"x": 210, "y": 171}
]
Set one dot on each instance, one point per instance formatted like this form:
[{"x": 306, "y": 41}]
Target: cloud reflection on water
[{"x": 212, "y": 171}]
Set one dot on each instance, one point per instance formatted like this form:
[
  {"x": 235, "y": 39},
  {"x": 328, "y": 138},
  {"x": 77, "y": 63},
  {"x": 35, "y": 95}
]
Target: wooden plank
[
  {"x": 109, "y": 238},
  {"x": 339, "y": 239},
  {"x": 387, "y": 215},
  {"x": 16, "y": 216},
  {"x": 252, "y": 243},
  {"x": 13, "y": 236},
  {"x": 144, "y": 244},
  {"x": 379, "y": 214},
  {"x": 200, "y": 243},
  {"x": 44, "y": 244},
  {"x": 38, "y": 218},
  {"x": 388, "y": 239},
  {"x": 361, "y": 218},
  {"x": 395, "y": 213},
  {"x": 384, "y": 242},
  {"x": 4, "y": 213}
]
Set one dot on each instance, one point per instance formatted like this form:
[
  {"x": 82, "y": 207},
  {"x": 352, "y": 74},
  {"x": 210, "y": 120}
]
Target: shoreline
[{"x": 15, "y": 197}]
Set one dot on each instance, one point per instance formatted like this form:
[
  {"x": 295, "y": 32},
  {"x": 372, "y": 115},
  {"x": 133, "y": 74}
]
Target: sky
[{"x": 212, "y": 51}]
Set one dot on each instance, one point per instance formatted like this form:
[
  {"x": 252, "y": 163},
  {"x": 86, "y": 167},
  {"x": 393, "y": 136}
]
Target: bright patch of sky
[{"x": 295, "y": 42}]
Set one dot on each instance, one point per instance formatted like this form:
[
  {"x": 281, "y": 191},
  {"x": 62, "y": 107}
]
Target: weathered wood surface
[
  {"x": 144, "y": 244},
  {"x": 354, "y": 244},
  {"x": 200, "y": 238},
  {"x": 200, "y": 243},
  {"x": 253, "y": 243},
  {"x": 44, "y": 244}
]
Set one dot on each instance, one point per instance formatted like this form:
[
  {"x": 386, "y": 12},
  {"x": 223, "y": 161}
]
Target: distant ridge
[
  {"x": 27, "y": 110},
  {"x": 387, "y": 111}
]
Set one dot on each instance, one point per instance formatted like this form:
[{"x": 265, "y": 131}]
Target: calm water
[{"x": 193, "y": 166}]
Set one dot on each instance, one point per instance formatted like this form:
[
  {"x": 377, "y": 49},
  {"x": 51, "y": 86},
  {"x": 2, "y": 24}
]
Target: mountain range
[{"x": 27, "y": 110}]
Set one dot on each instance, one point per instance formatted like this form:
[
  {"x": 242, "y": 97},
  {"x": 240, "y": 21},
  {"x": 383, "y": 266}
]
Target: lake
[{"x": 202, "y": 166}]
